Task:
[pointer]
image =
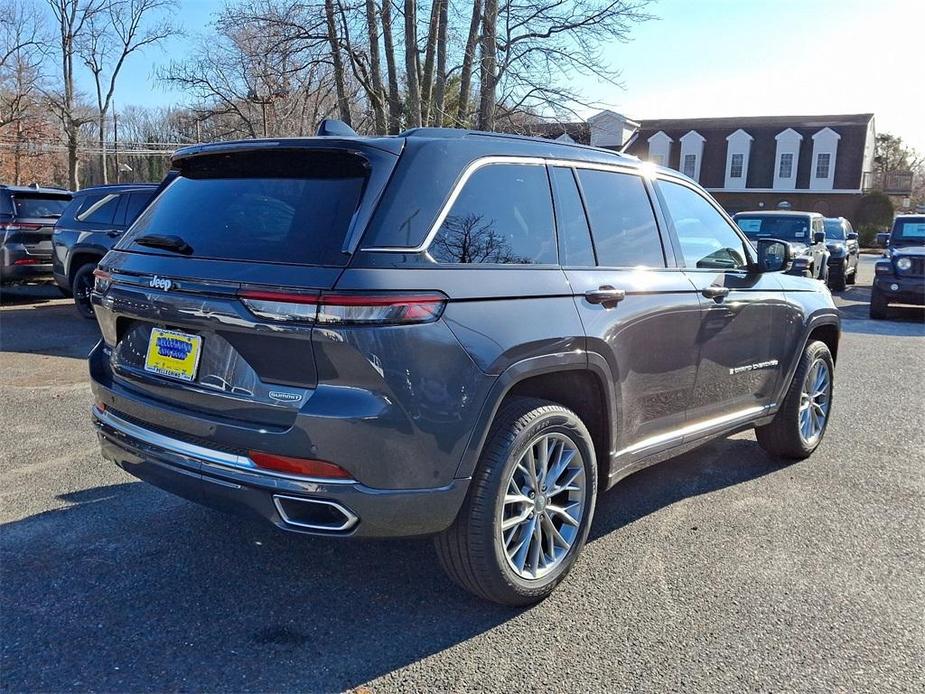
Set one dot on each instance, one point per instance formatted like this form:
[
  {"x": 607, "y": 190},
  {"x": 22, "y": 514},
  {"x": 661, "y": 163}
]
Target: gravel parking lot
[{"x": 721, "y": 570}]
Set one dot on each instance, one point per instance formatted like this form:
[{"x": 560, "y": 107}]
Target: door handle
[
  {"x": 715, "y": 293},
  {"x": 606, "y": 295},
  {"x": 113, "y": 232}
]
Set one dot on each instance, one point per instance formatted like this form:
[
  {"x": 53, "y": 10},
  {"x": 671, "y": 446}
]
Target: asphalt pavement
[{"x": 721, "y": 570}]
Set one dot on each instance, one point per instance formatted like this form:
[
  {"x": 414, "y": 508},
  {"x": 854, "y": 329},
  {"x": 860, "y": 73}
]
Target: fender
[
  {"x": 527, "y": 368},
  {"x": 823, "y": 316}
]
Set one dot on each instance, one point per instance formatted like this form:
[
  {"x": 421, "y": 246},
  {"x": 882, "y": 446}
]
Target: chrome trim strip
[
  {"x": 487, "y": 161},
  {"x": 351, "y": 518},
  {"x": 696, "y": 428},
  {"x": 196, "y": 452}
]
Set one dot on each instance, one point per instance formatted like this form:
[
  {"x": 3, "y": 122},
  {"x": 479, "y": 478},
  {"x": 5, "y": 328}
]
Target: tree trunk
[
  {"x": 17, "y": 155},
  {"x": 437, "y": 117},
  {"x": 395, "y": 105},
  {"x": 465, "y": 80},
  {"x": 411, "y": 64},
  {"x": 427, "y": 77},
  {"x": 489, "y": 66},
  {"x": 378, "y": 100},
  {"x": 343, "y": 103}
]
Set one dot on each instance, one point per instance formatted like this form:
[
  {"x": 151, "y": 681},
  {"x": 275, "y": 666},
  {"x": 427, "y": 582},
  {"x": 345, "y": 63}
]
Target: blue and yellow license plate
[{"x": 173, "y": 354}]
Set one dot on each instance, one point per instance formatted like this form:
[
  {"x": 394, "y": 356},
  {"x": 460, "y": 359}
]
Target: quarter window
[
  {"x": 622, "y": 221},
  {"x": 785, "y": 170},
  {"x": 502, "y": 215},
  {"x": 707, "y": 241},
  {"x": 99, "y": 209},
  {"x": 822, "y": 164},
  {"x": 735, "y": 166}
]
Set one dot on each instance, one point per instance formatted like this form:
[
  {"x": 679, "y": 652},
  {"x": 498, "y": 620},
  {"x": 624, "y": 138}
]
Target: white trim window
[
  {"x": 825, "y": 153},
  {"x": 660, "y": 148},
  {"x": 785, "y": 165},
  {"x": 787, "y": 159},
  {"x": 692, "y": 154},
  {"x": 738, "y": 152}
]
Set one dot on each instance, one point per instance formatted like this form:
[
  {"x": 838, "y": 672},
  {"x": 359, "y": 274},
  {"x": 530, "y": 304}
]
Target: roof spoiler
[{"x": 331, "y": 127}]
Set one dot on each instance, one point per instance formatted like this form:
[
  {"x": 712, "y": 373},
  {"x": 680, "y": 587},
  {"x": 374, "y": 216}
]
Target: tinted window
[
  {"x": 707, "y": 240},
  {"x": 575, "y": 247},
  {"x": 99, "y": 209},
  {"x": 909, "y": 228},
  {"x": 39, "y": 206},
  {"x": 622, "y": 221},
  {"x": 136, "y": 203},
  {"x": 786, "y": 227},
  {"x": 502, "y": 215},
  {"x": 6, "y": 207},
  {"x": 288, "y": 208},
  {"x": 834, "y": 229}
]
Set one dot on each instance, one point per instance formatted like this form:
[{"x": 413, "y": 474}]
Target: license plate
[{"x": 173, "y": 354}]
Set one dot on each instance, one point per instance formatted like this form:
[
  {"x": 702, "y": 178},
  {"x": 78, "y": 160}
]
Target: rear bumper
[
  {"x": 225, "y": 481},
  {"x": 18, "y": 264},
  {"x": 907, "y": 290}
]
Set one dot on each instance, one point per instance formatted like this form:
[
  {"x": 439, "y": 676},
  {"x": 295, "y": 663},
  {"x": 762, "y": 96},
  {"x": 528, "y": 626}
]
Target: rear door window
[
  {"x": 622, "y": 220},
  {"x": 288, "y": 207},
  {"x": 502, "y": 215}
]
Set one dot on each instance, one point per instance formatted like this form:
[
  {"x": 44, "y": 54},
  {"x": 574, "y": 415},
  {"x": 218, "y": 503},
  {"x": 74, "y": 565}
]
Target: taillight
[
  {"x": 355, "y": 309},
  {"x": 299, "y": 466},
  {"x": 27, "y": 261},
  {"x": 101, "y": 280},
  {"x": 22, "y": 226}
]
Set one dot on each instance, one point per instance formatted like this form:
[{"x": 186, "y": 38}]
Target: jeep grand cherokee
[{"x": 444, "y": 333}]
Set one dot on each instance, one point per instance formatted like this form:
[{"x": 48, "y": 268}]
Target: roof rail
[{"x": 331, "y": 127}]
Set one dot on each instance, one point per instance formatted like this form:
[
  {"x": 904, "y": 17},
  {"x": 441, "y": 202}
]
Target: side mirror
[
  {"x": 818, "y": 237},
  {"x": 883, "y": 238},
  {"x": 773, "y": 255},
  {"x": 852, "y": 236}
]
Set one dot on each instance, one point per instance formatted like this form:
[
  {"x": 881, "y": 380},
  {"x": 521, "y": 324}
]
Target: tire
[
  {"x": 474, "y": 552},
  {"x": 878, "y": 304},
  {"x": 783, "y": 438},
  {"x": 82, "y": 284},
  {"x": 853, "y": 277},
  {"x": 837, "y": 278}
]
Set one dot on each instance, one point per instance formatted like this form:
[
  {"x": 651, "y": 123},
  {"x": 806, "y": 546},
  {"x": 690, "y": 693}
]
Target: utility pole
[{"x": 115, "y": 137}]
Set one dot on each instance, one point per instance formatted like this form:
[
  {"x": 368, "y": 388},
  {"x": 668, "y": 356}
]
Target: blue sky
[{"x": 722, "y": 58}]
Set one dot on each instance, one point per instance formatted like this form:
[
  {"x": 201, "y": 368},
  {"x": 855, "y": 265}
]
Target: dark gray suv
[{"x": 444, "y": 333}]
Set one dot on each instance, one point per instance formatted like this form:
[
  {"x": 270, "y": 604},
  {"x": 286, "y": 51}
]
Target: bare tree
[
  {"x": 21, "y": 40},
  {"x": 72, "y": 19},
  {"x": 437, "y": 114},
  {"x": 378, "y": 93},
  {"x": 395, "y": 106},
  {"x": 122, "y": 28},
  {"x": 488, "y": 98},
  {"x": 412, "y": 71},
  {"x": 343, "y": 103},
  {"x": 465, "y": 80}
]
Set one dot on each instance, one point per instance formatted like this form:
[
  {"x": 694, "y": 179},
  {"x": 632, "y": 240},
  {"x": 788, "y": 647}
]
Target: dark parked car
[
  {"x": 445, "y": 333},
  {"x": 844, "y": 250},
  {"x": 804, "y": 231},
  {"x": 88, "y": 228},
  {"x": 900, "y": 277},
  {"x": 27, "y": 215}
]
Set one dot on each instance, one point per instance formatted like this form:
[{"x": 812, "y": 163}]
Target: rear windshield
[
  {"x": 277, "y": 207},
  {"x": 909, "y": 228},
  {"x": 786, "y": 228},
  {"x": 40, "y": 205}
]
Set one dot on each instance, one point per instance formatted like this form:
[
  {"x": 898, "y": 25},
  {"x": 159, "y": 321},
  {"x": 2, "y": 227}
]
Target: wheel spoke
[{"x": 563, "y": 513}]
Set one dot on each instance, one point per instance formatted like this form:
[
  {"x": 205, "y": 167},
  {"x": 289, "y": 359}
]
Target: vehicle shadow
[
  {"x": 35, "y": 293},
  {"x": 52, "y": 329},
  {"x": 128, "y": 589},
  {"x": 902, "y": 321}
]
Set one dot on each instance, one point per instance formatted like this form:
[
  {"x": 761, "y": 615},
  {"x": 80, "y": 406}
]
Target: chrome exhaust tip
[{"x": 314, "y": 514}]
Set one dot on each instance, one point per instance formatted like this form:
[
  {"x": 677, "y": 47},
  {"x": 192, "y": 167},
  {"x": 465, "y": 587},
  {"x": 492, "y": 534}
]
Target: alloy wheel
[
  {"x": 543, "y": 506},
  {"x": 814, "y": 401}
]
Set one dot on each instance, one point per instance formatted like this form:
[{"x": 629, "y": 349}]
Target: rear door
[
  {"x": 745, "y": 325},
  {"x": 639, "y": 310},
  {"x": 271, "y": 226}
]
